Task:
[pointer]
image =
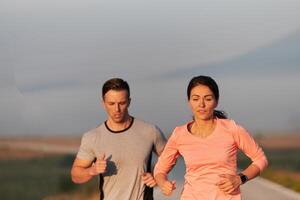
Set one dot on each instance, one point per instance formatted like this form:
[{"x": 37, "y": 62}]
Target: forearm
[
  {"x": 229, "y": 183},
  {"x": 160, "y": 178},
  {"x": 251, "y": 171},
  {"x": 81, "y": 174}
]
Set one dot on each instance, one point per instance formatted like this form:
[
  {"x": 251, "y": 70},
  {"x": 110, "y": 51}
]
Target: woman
[{"x": 209, "y": 145}]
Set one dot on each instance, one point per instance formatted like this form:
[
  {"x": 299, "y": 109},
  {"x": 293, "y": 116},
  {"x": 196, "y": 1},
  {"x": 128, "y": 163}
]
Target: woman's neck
[{"x": 203, "y": 128}]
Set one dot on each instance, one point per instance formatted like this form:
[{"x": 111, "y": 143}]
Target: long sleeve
[
  {"x": 247, "y": 144},
  {"x": 168, "y": 157}
]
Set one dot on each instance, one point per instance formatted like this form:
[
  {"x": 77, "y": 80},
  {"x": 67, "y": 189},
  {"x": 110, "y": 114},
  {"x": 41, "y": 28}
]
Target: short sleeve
[
  {"x": 159, "y": 140},
  {"x": 85, "y": 150},
  {"x": 168, "y": 157},
  {"x": 247, "y": 144}
]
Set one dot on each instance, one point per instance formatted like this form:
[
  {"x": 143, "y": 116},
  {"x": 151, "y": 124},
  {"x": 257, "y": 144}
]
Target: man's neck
[{"x": 119, "y": 126}]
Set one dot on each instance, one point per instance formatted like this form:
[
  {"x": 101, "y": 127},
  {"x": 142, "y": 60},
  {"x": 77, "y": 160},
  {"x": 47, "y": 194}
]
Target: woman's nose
[{"x": 201, "y": 103}]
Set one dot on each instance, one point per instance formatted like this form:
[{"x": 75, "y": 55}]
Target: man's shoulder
[
  {"x": 146, "y": 126},
  {"x": 143, "y": 123},
  {"x": 94, "y": 131}
]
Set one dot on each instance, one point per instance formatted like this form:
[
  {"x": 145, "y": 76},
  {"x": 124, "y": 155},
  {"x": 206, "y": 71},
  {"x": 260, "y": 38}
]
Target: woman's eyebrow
[{"x": 196, "y": 95}]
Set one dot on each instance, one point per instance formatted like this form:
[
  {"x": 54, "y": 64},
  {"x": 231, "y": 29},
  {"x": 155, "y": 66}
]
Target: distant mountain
[{"x": 279, "y": 57}]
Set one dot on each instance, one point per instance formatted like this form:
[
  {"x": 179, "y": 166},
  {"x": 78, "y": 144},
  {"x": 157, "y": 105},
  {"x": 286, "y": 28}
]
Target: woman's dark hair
[
  {"x": 115, "y": 84},
  {"x": 212, "y": 85}
]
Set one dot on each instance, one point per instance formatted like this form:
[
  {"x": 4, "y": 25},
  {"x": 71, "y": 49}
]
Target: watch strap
[{"x": 243, "y": 178}]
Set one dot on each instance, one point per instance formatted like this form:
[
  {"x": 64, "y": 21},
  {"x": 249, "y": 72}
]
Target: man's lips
[{"x": 117, "y": 115}]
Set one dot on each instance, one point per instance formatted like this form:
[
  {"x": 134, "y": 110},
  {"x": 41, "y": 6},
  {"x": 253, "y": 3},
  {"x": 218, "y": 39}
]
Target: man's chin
[{"x": 118, "y": 120}]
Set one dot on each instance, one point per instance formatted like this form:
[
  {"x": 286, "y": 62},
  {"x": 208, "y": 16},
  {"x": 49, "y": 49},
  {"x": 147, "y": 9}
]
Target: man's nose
[{"x": 117, "y": 107}]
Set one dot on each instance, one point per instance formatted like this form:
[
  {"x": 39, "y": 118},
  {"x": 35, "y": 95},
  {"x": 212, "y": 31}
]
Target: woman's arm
[
  {"x": 245, "y": 142},
  {"x": 164, "y": 184},
  {"x": 229, "y": 183},
  {"x": 165, "y": 163}
]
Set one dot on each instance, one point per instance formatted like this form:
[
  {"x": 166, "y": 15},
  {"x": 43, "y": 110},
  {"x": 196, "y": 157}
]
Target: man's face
[{"x": 116, "y": 103}]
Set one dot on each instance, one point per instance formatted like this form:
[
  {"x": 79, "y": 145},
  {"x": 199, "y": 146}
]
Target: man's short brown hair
[{"x": 115, "y": 84}]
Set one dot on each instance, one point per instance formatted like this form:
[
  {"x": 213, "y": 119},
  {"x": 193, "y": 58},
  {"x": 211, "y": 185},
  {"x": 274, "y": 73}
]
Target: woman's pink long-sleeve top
[{"x": 207, "y": 158}]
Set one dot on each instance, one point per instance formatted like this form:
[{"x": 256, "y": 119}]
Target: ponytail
[{"x": 220, "y": 114}]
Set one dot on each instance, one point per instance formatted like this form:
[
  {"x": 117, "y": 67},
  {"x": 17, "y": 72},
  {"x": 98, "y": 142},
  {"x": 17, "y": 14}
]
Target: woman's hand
[
  {"x": 167, "y": 187},
  {"x": 229, "y": 183},
  {"x": 164, "y": 184}
]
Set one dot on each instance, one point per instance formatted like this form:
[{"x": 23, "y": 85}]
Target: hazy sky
[{"x": 55, "y": 56}]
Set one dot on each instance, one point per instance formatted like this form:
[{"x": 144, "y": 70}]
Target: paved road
[
  {"x": 257, "y": 189},
  {"x": 262, "y": 189}
]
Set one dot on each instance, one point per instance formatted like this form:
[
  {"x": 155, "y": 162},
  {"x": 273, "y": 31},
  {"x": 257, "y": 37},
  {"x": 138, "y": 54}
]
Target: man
[{"x": 119, "y": 150}]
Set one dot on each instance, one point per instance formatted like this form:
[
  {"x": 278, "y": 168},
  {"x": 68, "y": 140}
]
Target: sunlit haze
[{"x": 55, "y": 56}]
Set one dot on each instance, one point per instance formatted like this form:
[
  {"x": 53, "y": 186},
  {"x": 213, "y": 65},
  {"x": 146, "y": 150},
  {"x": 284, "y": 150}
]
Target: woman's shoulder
[
  {"x": 181, "y": 129},
  {"x": 227, "y": 124},
  {"x": 231, "y": 126}
]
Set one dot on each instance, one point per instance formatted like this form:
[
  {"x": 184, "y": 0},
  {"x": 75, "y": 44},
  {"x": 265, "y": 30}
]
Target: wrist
[
  {"x": 91, "y": 171},
  {"x": 160, "y": 179},
  {"x": 243, "y": 178}
]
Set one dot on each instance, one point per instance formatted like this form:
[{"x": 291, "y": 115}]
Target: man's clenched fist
[{"x": 99, "y": 166}]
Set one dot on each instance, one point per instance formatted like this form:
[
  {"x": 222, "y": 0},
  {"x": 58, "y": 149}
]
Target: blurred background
[{"x": 55, "y": 56}]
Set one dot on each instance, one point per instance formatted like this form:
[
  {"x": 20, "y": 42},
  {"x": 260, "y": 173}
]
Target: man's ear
[
  {"x": 129, "y": 100},
  {"x": 103, "y": 103}
]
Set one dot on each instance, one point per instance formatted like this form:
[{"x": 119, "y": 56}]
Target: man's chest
[{"x": 130, "y": 150}]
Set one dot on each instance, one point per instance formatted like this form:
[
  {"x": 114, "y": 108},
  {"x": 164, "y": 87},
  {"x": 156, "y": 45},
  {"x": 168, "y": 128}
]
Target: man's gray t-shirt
[{"x": 128, "y": 154}]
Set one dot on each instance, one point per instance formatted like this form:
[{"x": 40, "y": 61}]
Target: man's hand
[
  {"x": 229, "y": 183},
  {"x": 99, "y": 167},
  {"x": 148, "y": 179},
  {"x": 167, "y": 187}
]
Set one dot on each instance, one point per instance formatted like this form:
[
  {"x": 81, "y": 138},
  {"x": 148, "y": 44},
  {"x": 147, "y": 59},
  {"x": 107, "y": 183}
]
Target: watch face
[{"x": 244, "y": 178}]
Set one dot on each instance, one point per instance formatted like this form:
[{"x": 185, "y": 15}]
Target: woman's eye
[{"x": 208, "y": 99}]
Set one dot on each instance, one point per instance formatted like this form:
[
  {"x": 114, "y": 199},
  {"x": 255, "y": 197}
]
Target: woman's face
[{"x": 202, "y": 102}]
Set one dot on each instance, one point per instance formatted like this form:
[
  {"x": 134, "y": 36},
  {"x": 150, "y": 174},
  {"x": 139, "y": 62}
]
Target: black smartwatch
[{"x": 243, "y": 178}]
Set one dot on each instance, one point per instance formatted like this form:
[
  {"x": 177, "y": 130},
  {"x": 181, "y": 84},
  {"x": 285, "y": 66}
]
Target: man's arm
[
  {"x": 80, "y": 172},
  {"x": 83, "y": 170},
  {"x": 158, "y": 153},
  {"x": 159, "y": 144}
]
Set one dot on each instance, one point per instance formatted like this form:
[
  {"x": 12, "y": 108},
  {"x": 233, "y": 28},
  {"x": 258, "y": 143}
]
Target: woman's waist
[
  {"x": 207, "y": 190},
  {"x": 206, "y": 177},
  {"x": 210, "y": 171},
  {"x": 208, "y": 194}
]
